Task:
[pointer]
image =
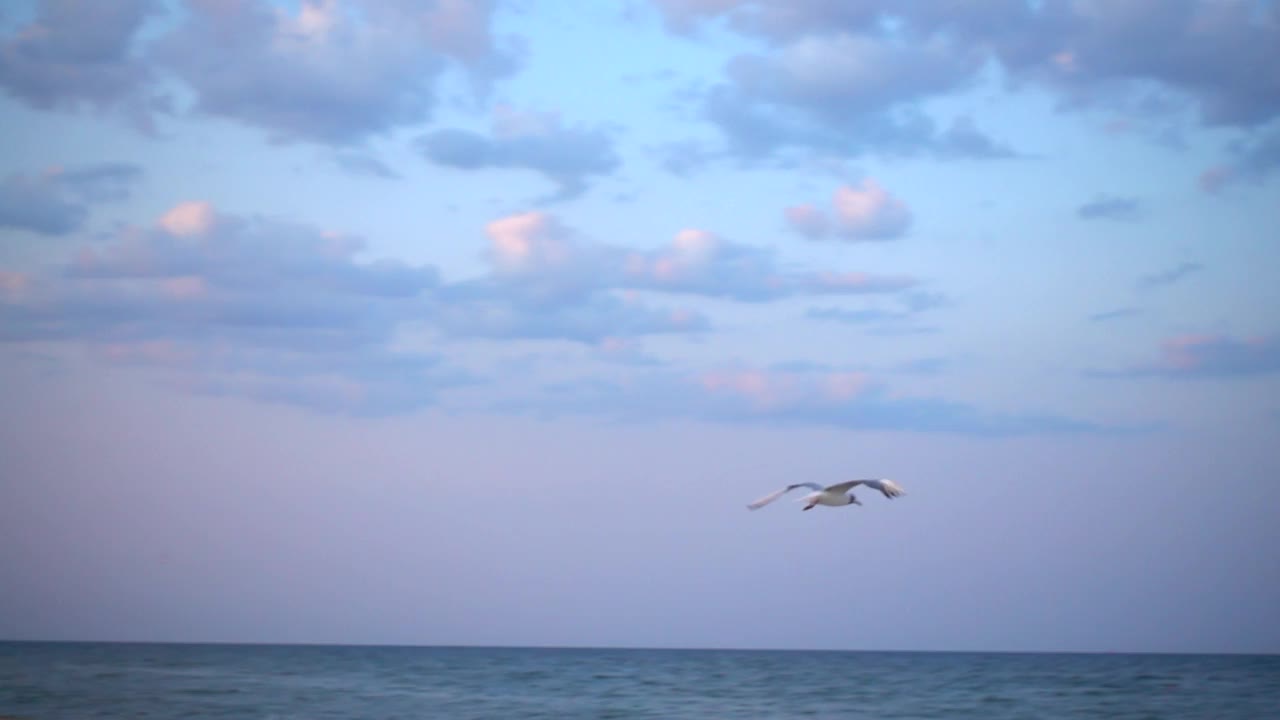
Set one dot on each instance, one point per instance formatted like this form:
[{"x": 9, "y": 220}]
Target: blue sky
[{"x": 480, "y": 322}]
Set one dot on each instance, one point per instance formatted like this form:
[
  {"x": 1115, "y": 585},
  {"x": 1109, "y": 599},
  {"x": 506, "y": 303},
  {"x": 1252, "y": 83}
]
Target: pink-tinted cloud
[
  {"x": 1214, "y": 179},
  {"x": 772, "y": 390},
  {"x": 284, "y": 312},
  {"x": 535, "y": 250},
  {"x": 808, "y": 220},
  {"x": 1208, "y": 356},
  {"x": 13, "y": 285},
  {"x": 276, "y": 311},
  {"x": 862, "y": 212},
  {"x": 528, "y": 242},
  {"x": 188, "y": 218},
  {"x": 1252, "y": 159},
  {"x": 868, "y": 212},
  {"x": 185, "y": 287}
]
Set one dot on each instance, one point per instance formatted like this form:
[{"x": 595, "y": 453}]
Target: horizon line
[{"x": 454, "y": 646}]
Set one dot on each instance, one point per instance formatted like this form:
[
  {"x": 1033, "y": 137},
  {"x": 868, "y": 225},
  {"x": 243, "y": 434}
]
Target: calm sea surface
[{"x": 89, "y": 680}]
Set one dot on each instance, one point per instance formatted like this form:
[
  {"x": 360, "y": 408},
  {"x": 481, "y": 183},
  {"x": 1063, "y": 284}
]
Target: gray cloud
[
  {"x": 329, "y": 74},
  {"x": 547, "y": 282},
  {"x": 1208, "y": 356},
  {"x": 683, "y": 157},
  {"x": 1208, "y": 51},
  {"x": 1170, "y": 276},
  {"x": 256, "y": 307},
  {"x": 358, "y": 163},
  {"x": 899, "y": 319},
  {"x": 493, "y": 309},
  {"x": 756, "y": 127},
  {"x": 284, "y": 313},
  {"x": 1251, "y": 159},
  {"x": 1114, "y": 314},
  {"x": 843, "y": 76},
  {"x": 1110, "y": 207},
  {"x": 833, "y": 85},
  {"x": 80, "y": 55},
  {"x": 326, "y": 72},
  {"x": 57, "y": 201},
  {"x": 537, "y": 142}
]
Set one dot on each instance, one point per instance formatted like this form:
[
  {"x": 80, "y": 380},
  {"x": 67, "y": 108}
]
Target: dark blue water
[{"x": 88, "y": 680}]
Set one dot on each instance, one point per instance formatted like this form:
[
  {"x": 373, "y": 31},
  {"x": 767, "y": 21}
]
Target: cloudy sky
[{"x": 452, "y": 322}]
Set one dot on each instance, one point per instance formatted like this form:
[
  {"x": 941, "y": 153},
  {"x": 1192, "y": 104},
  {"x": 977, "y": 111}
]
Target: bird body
[{"x": 836, "y": 495}]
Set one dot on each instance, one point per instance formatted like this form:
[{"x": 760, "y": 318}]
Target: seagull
[{"x": 832, "y": 495}]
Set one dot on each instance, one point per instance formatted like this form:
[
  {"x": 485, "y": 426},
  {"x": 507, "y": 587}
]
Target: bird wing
[
  {"x": 779, "y": 493},
  {"x": 890, "y": 488}
]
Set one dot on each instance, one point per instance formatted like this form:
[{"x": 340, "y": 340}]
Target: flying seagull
[{"x": 832, "y": 495}]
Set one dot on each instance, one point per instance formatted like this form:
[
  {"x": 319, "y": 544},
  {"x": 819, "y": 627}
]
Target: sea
[{"x": 69, "y": 681}]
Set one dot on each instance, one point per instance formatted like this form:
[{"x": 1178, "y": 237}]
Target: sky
[{"x": 444, "y": 322}]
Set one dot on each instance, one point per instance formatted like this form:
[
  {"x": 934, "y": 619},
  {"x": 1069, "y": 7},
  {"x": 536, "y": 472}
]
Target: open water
[{"x": 68, "y": 681}]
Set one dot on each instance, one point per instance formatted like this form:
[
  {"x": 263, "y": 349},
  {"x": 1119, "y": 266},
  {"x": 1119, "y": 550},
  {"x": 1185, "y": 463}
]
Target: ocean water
[{"x": 67, "y": 681}]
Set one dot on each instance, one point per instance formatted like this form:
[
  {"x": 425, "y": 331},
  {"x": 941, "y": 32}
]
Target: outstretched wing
[
  {"x": 775, "y": 495},
  {"x": 890, "y": 488}
]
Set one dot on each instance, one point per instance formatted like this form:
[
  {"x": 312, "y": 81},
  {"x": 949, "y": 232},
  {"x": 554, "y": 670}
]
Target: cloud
[
  {"x": 75, "y": 56},
  {"x": 925, "y": 366},
  {"x": 783, "y": 396},
  {"x": 831, "y": 82},
  {"x": 833, "y": 74},
  {"x": 1170, "y": 276},
  {"x": 1110, "y": 207},
  {"x": 1208, "y": 356},
  {"x": 897, "y": 320},
  {"x": 545, "y": 281},
  {"x": 1207, "y": 51},
  {"x": 846, "y": 96},
  {"x": 490, "y": 309},
  {"x": 533, "y": 251},
  {"x": 358, "y": 163},
  {"x": 283, "y": 312},
  {"x": 683, "y": 157},
  {"x": 531, "y": 141},
  {"x": 1115, "y": 314},
  {"x": 256, "y": 307},
  {"x": 1252, "y": 159},
  {"x": 843, "y": 76},
  {"x": 187, "y": 219},
  {"x": 330, "y": 73},
  {"x": 57, "y": 201},
  {"x": 864, "y": 212},
  {"x": 462, "y": 30},
  {"x": 701, "y": 263}
]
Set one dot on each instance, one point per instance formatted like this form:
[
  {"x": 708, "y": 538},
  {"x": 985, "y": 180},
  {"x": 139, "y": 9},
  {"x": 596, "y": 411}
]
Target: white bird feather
[{"x": 834, "y": 495}]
